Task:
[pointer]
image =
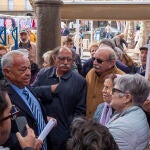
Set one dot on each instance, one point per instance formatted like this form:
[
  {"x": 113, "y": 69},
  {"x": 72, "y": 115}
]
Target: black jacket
[
  {"x": 87, "y": 66},
  {"x": 67, "y": 102}
]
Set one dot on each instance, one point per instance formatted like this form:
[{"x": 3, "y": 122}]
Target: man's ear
[
  {"x": 6, "y": 72},
  {"x": 54, "y": 58},
  {"x": 112, "y": 62}
]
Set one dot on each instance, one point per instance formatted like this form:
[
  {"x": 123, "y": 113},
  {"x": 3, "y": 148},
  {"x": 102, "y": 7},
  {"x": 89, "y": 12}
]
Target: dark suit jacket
[
  {"x": 24, "y": 111},
  {"x": 78, "y": 63},
  {"x": 67, "y": 102},
  {"x": 87, "y": 66}
]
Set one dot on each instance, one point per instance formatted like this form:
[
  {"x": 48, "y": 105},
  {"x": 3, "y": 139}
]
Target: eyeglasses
[
  {"x": 13, "y": 113},
  {"x": 70, "y": 43},
  {"x": 99, "y": 60},
  {"x": 69, "y": 59},
  {"x": 116, "y": 90}
]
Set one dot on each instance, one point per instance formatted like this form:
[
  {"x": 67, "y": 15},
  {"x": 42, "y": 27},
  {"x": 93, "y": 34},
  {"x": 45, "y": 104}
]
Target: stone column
[{"x": 48, "y": 26}]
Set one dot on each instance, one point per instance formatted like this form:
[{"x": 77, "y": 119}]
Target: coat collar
[
  {"x": 103, "y": 75},
  {"x": 130, "y": 109},
  {"x": 52, "y": 74},
  {"x": 124, "y": 113}
]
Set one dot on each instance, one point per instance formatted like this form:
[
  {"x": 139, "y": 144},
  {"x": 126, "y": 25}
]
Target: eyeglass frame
[
  {"x": 100, "y": 61},
  {"x": 69, "y": 59},
  {"x": 12, "y": 116},
  {"x": 117, "y": 90}
]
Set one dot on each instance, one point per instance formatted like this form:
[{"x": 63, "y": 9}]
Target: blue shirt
[{"x": 20, "y": 93}]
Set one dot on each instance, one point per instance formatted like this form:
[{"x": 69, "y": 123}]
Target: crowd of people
[{"x": 100, "y": 105}]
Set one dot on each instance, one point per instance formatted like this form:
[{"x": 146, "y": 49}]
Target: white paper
[{"x": 47, "y": 129}]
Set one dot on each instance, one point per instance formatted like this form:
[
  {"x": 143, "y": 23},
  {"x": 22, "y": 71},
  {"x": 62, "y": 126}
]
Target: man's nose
[
  {"x": 66, "y": 61},
  {"x": 95, "y": 62}
]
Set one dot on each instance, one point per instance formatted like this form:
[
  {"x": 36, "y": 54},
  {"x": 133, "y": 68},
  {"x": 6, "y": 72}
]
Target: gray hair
[
  {"x": 25, "y": 51},
  {"x": 108, "y": 42},
  {"x": 8, "y": 58},
  {"x": 112, "y": 56},
  {"x": 136, "y": 85}
]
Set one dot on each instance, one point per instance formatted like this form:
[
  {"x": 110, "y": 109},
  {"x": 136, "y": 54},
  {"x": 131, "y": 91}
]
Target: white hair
[
  {"x": 8, "y": 58},
  {"x": 25, "y": 51}
]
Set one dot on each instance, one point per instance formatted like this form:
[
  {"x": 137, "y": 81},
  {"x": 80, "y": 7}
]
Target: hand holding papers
[{"x": 47, "y": 129}]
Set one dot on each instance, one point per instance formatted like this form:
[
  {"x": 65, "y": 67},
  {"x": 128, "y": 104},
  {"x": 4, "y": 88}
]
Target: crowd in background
[{"x": 100, "y": 104}]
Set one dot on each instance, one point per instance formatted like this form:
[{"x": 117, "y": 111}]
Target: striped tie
[{"x": 37, "y": 115}]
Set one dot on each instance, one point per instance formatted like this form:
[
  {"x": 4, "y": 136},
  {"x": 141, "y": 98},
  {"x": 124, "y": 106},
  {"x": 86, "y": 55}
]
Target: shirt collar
[
  {"x": 16, "y": 88},
  {"x": 64, "y": 76}
]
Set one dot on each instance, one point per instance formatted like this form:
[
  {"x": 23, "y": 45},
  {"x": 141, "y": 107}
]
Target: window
[
  {"x": 27, "y": 5},
  {"x": 10, "y": 4}
]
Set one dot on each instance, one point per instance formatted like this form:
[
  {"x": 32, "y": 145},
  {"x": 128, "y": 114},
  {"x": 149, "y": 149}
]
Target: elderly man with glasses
[
  {"x": 104, "y": 64},
  {"x": 63, "y": 93}
]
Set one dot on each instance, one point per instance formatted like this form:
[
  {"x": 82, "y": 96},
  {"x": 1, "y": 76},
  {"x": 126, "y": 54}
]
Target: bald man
[
  {"x": 63, "y": 93},
  {"x": 104, "y": 64}
]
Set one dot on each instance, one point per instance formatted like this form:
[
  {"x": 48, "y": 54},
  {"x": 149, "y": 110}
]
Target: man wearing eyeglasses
[
  {"x": 104, "y": 64},
  {"x": 16, "y": 68},
  {"x": 63, "y": 93}
]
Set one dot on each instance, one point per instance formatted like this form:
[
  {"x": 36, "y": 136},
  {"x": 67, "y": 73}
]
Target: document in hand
[{"x": 47, "y": 129}]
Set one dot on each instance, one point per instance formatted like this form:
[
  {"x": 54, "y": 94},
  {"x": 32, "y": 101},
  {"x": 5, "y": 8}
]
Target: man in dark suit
[
  {"x": 16, "y": 68},
  {"x": 63, "y": 93}
]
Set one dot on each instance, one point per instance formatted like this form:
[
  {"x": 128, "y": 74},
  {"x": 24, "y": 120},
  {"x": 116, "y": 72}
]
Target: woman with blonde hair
[{"x": 48, "y": 59}]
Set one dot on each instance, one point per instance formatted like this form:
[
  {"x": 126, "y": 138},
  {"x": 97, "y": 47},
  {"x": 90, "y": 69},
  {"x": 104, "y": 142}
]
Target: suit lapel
[{"x": 16, "y": 100}]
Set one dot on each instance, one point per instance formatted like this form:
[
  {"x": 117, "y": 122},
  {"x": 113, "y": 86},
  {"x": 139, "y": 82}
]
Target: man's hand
[
  {"x": 38, "y": 145},
  {"x": 27, "y": 141},
  {"x": 146, "y": 106},
  {"x": 48, "y": 119},
  {"x": 53, "y": 87}
]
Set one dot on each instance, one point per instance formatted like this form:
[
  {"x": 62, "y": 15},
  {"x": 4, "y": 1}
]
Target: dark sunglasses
[
  {"x": 70, "y": 43},
  {"x": 13, "y": 114},
  {"x": 99, "y": 60},
  {"x": 116, "y": 90},
  {"x": 65, "y": 58}
]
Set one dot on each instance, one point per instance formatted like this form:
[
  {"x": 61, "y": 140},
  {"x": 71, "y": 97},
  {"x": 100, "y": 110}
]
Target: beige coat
[{"x": 94, "y": 89}]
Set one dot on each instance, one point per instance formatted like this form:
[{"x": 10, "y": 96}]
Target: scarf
[{"x": 106, "y": 113}]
